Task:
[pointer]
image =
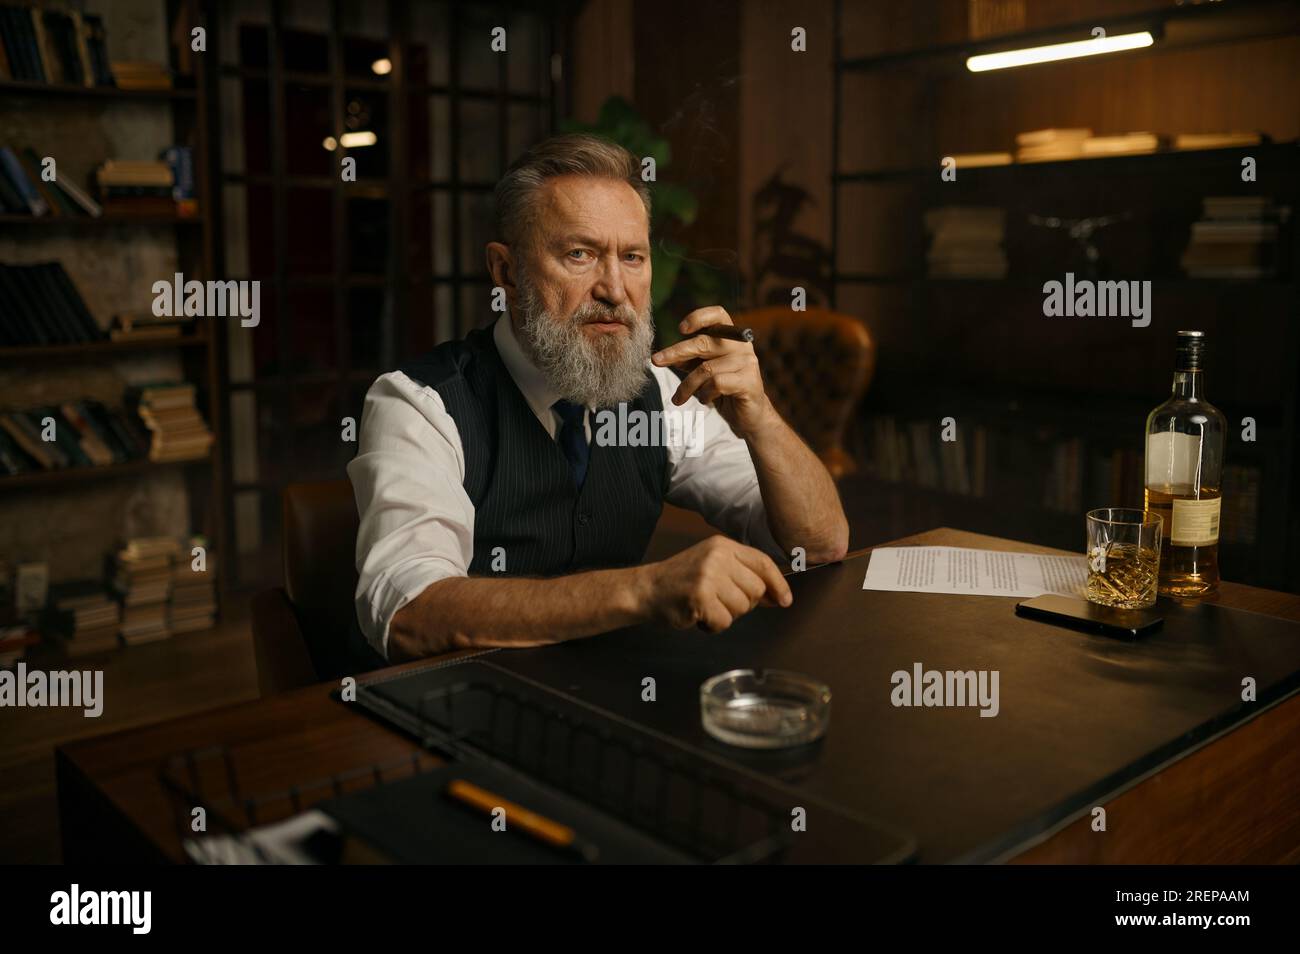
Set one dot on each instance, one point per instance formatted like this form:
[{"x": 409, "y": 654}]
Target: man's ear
[{"x": 501, "y": 265}]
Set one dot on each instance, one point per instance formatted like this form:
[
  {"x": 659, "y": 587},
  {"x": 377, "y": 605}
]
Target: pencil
[{"x": 544, "y": 829}]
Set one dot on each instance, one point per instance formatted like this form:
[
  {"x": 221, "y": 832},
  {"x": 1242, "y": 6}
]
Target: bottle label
[{"x": 1195, "y": 523}]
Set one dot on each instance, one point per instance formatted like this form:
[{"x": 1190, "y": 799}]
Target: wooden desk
[{"x": 1236, "y": 799}]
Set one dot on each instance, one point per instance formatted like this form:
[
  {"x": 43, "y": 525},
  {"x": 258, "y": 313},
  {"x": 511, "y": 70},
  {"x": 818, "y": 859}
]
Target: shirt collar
[{"x": 530, "y": 380}]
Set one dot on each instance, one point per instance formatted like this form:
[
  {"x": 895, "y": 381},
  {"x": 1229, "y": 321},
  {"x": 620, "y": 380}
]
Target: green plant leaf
[
  {"x": 674, "y": 200},
  {"x": 666, "y": 264}
]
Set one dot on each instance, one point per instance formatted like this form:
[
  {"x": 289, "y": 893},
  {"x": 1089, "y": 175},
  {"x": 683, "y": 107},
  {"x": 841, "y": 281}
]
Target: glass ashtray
[{"x": 765, "y": 708}]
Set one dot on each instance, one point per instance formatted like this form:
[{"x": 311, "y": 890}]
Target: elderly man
[{"x": 489, "y": 515}]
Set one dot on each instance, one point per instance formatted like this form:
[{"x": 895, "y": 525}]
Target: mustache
[{"x": 589, "y": 312}]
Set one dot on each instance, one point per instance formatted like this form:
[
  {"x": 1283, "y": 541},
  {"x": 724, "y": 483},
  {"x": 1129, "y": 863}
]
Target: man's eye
[
  {"x": 635, "y": 257},
  {"x": 578, "y": 252}
]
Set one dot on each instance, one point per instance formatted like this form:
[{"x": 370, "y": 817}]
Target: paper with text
[{"x": 974, "y": 572}]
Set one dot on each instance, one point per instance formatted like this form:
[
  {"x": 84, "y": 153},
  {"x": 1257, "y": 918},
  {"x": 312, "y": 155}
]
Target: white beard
[{"x": 608, "y": 371}]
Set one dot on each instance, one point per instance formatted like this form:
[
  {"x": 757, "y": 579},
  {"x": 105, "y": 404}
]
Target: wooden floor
[{"x": 142, "y": 684}]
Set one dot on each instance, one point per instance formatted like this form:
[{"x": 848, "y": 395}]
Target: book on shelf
[
  {"x": 24, "y": 190},
  {"x": 193, "y": 603},
  {"x": 83, "y": 617},
  {"x": 144, "y": 569},
  {"x": 145, "y": 327},
  {"x": 966, "y": 242},
  {"x": 1219, "y": 140},
  {"x": 980, "y": 160},
  {"x": 1050, "y": 145},
  {"x": 126, "y": 187},
  {"x": 1239, "y": 522},
  {"x": 1044, "y": 467},
  {"x": 20, "y": 182},
  {"x": 46, "y": 45},
  {"x": 1236, "y": 237},
  {"x": 1127, "y": 144},
  {"x": 42, "y": 306},
  {"x": 162, "y": 187},
  {"x": 83, "y": 433},
  {"x": 141, "y": 75},
  {"x": 177, "y": 428}
]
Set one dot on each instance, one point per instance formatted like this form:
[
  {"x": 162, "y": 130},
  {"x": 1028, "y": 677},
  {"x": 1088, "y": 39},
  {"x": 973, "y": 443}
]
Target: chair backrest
[
  {"x": 816, "y": 367},
  {"x": 320, "y": 578}
]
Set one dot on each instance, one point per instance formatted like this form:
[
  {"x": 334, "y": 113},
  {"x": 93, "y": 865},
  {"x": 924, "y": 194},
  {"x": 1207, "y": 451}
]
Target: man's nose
[{"x": 609, "y": 287}]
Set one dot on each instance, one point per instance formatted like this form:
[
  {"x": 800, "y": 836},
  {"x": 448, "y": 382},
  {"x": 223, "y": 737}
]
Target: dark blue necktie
[{"x": 573, "y": 438}]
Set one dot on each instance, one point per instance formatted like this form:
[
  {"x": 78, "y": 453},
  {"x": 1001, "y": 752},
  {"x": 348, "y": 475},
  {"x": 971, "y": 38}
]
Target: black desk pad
[
  {"x": 412, "y": 821},
  {"x": 1081, "y": 716},
  {"x": 566, "y": 755}
]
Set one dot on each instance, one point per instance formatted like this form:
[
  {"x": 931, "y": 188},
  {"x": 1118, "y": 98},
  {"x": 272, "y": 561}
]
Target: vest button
[{"x": 584, "y": 519}]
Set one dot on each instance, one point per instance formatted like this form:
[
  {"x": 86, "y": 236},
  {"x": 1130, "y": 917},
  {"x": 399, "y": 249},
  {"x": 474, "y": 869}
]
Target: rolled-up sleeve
[
  {"x": 712, "y": 472},
  {"x": 417, "y": 522}
]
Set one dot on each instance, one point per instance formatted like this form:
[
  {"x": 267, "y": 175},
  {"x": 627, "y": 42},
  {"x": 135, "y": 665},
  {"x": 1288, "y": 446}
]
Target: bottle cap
[{"x": 1190, "y": 354}]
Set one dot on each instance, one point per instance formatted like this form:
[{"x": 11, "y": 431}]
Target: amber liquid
[
  {"x": 1124, "y": 578},
  {"x": 1184, "y": 570}
]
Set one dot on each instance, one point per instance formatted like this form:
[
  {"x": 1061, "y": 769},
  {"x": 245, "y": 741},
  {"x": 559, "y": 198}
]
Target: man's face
[{"x": 583, "y": 306}]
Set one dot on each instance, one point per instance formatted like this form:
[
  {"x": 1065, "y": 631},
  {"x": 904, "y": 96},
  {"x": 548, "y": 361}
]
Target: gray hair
[{"x": 570, "y": 154}]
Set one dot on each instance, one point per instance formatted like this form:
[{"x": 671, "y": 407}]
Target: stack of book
[
  {"x": 141, "y": 74},
  {"x": 1235, "y": 238},
  {"x": 53, "y": 46},
  {"x": 194, "y": 596},
  {"x": 25, "y": 191},
  {"x": 966, "y": 242},
  {"x": 136, "y": 187},
  {"x": 145, "y": 327},
  {"x": 80, "y": 434},
  {"x": 144, "y": 580},
  {"x": 1050, "y": 145},
  {"x": 168, "y": 411},
  {"x": 41, "y": 306},
  {"x": 1129, "y": 144},
  {"x": 83, "y": 618}
]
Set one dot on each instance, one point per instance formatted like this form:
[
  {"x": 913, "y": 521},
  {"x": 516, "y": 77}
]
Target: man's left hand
[{"x": 721, "y": 372}]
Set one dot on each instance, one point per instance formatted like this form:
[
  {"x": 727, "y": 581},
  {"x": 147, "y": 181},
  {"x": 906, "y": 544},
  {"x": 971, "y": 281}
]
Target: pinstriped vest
[{"x": 520, "y": 482}]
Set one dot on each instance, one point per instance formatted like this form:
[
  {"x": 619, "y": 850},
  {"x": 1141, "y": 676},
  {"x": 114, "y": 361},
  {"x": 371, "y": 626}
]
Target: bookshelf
[
  {"x": 13, "y": 87},
  {"x": 392, "y": 262},
  {"x": 88, "y": 349},
  {"x": 107, "y": 220},
  {"x": 1065, "y": 399},
  {"x": 186, "y": 113}
]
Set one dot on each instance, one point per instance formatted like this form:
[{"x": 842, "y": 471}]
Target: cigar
[{"x": 726, "y": 332}]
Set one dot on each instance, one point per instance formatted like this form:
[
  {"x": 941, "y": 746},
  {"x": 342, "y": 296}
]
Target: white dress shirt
[{"x": 417, "y": 522}]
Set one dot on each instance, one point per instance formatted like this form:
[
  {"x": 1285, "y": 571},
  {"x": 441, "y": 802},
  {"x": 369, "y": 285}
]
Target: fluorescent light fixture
[
  {"x": 1058, "y": 51},
  {"x": 355, "y": 139},
  {"x": 382, "y": 67}
]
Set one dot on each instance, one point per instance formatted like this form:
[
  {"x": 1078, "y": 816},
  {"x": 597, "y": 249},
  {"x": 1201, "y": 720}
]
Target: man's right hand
[{"x": 712, "y": 584}]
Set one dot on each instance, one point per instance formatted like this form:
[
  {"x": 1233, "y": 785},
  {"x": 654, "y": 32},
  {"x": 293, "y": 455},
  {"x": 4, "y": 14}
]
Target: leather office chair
[
  {"x": 300, "y": 630},
  {"x": 816, "y": 368}
]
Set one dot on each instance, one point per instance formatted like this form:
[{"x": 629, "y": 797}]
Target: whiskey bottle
[{"x": 1184, "y": 464}]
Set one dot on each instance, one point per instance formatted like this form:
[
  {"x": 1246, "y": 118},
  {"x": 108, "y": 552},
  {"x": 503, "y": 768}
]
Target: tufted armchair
[{"x": 816, "y": 367}]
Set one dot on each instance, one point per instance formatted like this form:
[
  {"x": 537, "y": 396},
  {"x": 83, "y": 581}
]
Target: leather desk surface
[
  {"x": 1082, "y": 718},
  {"x": 1080, "y": 715}
]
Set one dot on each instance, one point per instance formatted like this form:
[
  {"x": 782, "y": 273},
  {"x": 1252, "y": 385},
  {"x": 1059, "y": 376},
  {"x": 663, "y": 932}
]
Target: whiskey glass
[{"x": 1123, "y": 557}]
